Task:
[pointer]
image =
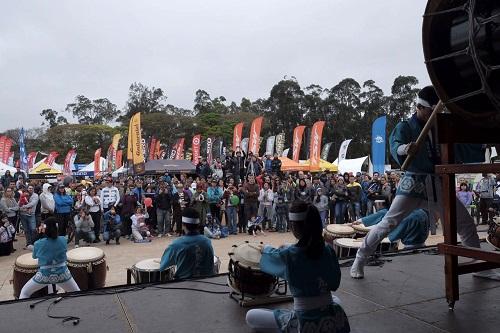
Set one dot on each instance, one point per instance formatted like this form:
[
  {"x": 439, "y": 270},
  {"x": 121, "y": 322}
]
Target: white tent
[
  {"x": 117, "y": 173},
  {"x": 90, "y": 166},
  {"x": 351, "y": 165},
  {"x": 4, "y": 167}
]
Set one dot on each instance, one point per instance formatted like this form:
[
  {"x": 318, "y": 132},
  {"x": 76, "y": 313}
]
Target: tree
[
  {"x": 143, "y": 99},
  {"x": 93, "y": 112},
  {"x": 402, "y": 101},
  {"x": 202, "y": 102},
  {"x": 52, "y": 118}
]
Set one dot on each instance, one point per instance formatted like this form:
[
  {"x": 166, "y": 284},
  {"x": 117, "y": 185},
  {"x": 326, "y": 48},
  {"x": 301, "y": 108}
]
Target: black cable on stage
[{"x": 192, "y": 289}]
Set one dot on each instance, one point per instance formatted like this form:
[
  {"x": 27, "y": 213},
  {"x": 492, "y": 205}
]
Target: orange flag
[
  {"x": 254, "y": 141},
  {"x": 315, "y": 147},
  {"x": 298, "y": 132},
  {"x": 238, "y": 130}
]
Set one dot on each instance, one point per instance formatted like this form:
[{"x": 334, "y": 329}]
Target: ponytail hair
[
  {"x": 51, "y": 227},
  {"x": 310, "y": 231}
]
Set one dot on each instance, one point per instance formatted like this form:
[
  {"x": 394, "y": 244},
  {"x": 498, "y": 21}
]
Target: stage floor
[{"x": 406, "y": 294}]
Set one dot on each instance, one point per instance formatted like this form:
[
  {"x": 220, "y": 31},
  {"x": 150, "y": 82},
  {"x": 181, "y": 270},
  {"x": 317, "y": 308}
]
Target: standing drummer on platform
[
  {"x": 312, "y": 271},
  {"x": 51, "y": 255},
  {"x": 420, "y": 187},
  {"x": 193, "y": 253}
]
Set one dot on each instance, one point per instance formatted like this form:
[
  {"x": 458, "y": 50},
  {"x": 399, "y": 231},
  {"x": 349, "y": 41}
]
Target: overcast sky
[{"x": 51, "y": 51}]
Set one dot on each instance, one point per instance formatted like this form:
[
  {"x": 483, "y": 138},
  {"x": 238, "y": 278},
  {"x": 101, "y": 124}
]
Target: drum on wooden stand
[
  {"x": 494, "y": 234},
  {"x": 88, "y": 267},
  {"x": 148, "y": 271},
  {"x": 346, "y": 247},
  {"x": 25, "y": 268},
  {"x": 361, "y": 230},
  {"x": 334, "y": 231},
  {"x": 245, "y": 276}
]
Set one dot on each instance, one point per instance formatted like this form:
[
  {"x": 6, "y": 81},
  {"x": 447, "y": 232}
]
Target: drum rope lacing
[{"x": 483, "y": 70}]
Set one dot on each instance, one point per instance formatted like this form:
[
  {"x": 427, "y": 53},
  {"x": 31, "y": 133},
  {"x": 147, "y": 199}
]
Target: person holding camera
[{"x": 84, "y": 227}]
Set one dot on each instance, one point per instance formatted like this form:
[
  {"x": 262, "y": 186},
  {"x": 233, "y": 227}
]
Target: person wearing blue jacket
[
  {"x": 64, "y": 204},
  {"x": 112, "y": 226}
]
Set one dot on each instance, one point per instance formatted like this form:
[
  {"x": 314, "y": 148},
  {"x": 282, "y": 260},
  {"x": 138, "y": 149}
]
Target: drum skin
[
  {"x": 334, "y": 231},
  {"x": 461, "y": 41},
  {"x": 23, "y": 273}
]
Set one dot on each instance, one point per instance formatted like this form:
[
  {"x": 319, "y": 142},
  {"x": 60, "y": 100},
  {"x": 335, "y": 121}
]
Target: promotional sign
[
  {"x": 378, "y": 144},
  {"x": 270, "y": 145},
  {"x": 297, "y": 142},
  {"x": 137, "y": 144},
  {"x": 343, "y": 149},
  {"x": 254, "y": 139},
  {"x": 326, "y": 150},
  {"x": 237, "y": 133},
  {"x": 315, "y": 145}
]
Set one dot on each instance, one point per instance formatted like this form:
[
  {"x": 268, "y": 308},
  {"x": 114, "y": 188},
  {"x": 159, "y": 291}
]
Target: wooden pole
[{"x": 425, "y": 131}]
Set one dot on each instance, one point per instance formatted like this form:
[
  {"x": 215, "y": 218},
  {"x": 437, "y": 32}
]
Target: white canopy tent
[
  {"x": 117, "y": 173},
  {"x": 90, "y": 166},
  {"x": 4, "y": 167},
  {"x": 352, "y": 165}
]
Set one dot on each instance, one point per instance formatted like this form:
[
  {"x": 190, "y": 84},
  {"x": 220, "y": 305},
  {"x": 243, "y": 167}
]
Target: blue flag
[
  {"x": 378, "y": 144},
  {"x": 23, "y": 158}
]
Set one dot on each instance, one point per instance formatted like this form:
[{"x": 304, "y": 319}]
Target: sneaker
[
  {"x": 77, "y": 246},
  {"x": 107, "y": 242},
  {"x": 169, "y": 234},
  {"x": 159, "y": 236},
  {"x": 127, "y": 237},
  {"x": 357, "y": 268}
]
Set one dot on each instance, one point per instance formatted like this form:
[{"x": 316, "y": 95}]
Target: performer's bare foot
[{"x": 357, "y": 268}]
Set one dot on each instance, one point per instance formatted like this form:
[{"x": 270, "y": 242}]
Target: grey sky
[{"x": 51, "y": 51}]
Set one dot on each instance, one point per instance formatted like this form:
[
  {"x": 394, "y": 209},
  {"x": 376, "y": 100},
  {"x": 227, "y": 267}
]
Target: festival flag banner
[
  {"x": 119, "y": 159},
  {"x": 23, "y": 159},
  {"x": 195, "y": 147},
  {"x": 173, "y": 152},
  {"x": 157, "y": 149},
  {"x": 326, "y": 150},
  {"x": 244, "y": 145},
  {"x": 237, "y": 133},
  {"x": 280, "y": 143},
  {"x": 11, "y": 159},
  {"x": 270, "y": 145},
  {"x": 343, "y": 150},
  {"x": 112, "y": 152},
  {"x": 51, "y": 158},
  {"x": 210, "y": 157},
  {"x": 137, "y": 144},
  {"x": 31, "y": 159},
  {"x": 97, "y": 163},
  {"x": 2, "y": 147},
  {"x": 297, "y": 142},
  {"x": 378, "y": 144},
  {"x": 315, "y": 145},
  {"x": 285, "y": 152},
  {"x": 109, "y": 159},
  {"x": 180, "y": 149},
  {"x": 152, "y": 147},
  {"x": 6, "y": 150},
  {"x": 254, "y": 140},
  {"x": 67, "y": 162}
]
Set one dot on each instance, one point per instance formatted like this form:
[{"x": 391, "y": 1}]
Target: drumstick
[
  {"x": 425, "y": 131},
  {"x": 255, "y": 247},
  {"x": 156, "y": 261}
]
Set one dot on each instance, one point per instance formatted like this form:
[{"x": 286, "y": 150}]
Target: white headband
[
  {"x": 190, "y": 220},
  {"x": 423, "y": 102},
  {"x": 297, "y": 216}
]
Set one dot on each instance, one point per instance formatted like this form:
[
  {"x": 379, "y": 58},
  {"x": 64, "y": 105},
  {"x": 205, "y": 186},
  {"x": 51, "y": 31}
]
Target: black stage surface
[{"x": 406, "y": 294}]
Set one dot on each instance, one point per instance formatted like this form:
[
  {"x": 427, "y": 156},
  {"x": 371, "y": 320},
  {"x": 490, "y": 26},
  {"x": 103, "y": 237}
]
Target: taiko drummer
[
  {"x": 312, "y": 271},
  {"x": 51, "y": 254},
  {"x": 193, "y": 253}
]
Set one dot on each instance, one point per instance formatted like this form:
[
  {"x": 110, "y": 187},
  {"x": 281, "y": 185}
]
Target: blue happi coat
[
  {"x": 307, "y": 278},
  {"x": 413, "y": 229},
  {"x": 51, "y": 255},
  {"x": 192, "y": 254}
]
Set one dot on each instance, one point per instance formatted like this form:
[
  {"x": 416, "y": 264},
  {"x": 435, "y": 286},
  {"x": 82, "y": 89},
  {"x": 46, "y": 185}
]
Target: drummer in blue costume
[
  {"x": 312, "y": 271},
  {"x": 51, "y": 254},
  {"x": 420, "y": 187},
  {"x": 412, "y": 231},
  {"x": 193, "y": 253}
]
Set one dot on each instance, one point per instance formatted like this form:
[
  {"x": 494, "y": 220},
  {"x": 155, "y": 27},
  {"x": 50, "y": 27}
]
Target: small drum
[
  {"x": 494, "y": 235},
  {"x": 346, "y": 247},
  {"x": 216, "y": 265},
  {"x": 379, "y": 204},
  {"x": 387, "y": 246},
  {"x": 245, "y": 276},
  {"x": 148, "y": 271},
  {"x": 361, "y": 230},
  {"x": 88, "y": 267},
  {"x": 24, "y": 269},
  {"x": 334, "y": 231}
]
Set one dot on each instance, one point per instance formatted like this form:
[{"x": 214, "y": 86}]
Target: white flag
[
  {"x": 285, "y": 152},
  {"x": 343, "y": 150}
]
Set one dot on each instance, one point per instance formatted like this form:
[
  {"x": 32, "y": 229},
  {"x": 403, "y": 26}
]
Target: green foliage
[
  {"x": 93, "y": 112},
  {"x": 144, "y": 99},
  {"x": 52, "y": 118}
]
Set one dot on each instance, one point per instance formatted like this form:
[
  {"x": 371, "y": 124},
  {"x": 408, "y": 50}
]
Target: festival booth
[
  {"x": 323, "y": 166},
  {"x": 44, "y": 171},
  {"x": 156, "y": 167},
  {"x": 290, "y": 165},
  {"x": 4, "y": 167},
  {"x": 88, "y": 170},
  {"x": 118, "y": 172}
]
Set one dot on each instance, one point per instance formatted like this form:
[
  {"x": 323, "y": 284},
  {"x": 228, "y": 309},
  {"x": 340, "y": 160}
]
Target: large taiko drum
[
  {"x": 148, "y": 271},
  {"x": 245, "y": 276},
  {"x": 494, "y": 235},
  {"x": 88, "y": 267},
  {"x": 25, "y": 268},
  {"x": 334, "y": 231},
  {"x": 461, "y": 40}
]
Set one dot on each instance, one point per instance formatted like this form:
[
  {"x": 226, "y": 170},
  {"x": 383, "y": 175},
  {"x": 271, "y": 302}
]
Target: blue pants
[
  {"x": 232, "y": 220},
  {"x": 29, "y": 225},
  {"x": 340, "y": 208}
]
